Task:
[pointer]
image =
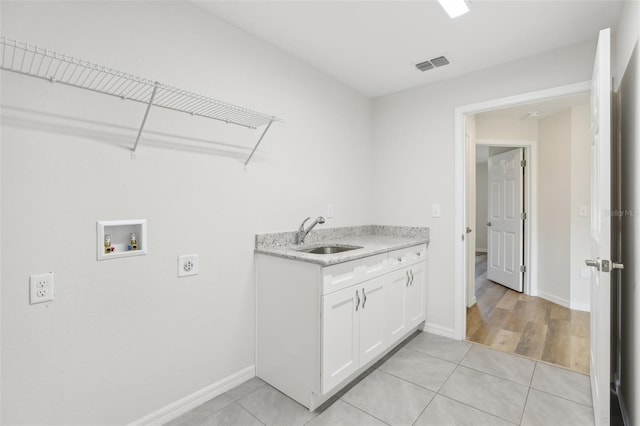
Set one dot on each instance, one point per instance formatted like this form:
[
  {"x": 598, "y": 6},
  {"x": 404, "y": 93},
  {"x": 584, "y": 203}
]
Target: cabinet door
[
  {"x": 395, "y": 312},
  {"x": 373, "y": 338},
  {"x": 340, "y": 343},
  {"x": 415, "y": 294}
]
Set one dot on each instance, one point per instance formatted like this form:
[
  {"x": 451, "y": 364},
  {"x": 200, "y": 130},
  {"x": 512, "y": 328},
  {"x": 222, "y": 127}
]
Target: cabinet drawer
[
  {"x": 342, "y": 275},
  {"x": 407, "y": 256},
  {"x": 373, "y": 266}
]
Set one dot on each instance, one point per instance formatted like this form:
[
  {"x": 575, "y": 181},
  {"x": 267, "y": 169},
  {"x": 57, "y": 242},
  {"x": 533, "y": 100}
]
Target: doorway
[{"x": 537, "y": 323}]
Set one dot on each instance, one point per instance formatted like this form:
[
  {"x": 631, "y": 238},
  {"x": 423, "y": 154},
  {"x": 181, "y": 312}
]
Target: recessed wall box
[{"x": 121, "y": 238}]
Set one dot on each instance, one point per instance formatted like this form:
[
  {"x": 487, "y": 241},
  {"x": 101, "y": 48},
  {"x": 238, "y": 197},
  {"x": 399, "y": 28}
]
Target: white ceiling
[{"x": 372, "y": 46}]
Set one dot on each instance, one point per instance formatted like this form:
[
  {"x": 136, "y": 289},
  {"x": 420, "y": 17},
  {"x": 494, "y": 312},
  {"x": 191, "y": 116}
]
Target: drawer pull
[{"x": 399, "y": 260}]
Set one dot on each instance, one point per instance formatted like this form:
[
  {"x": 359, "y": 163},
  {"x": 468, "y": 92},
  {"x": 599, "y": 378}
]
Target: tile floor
[{"x": 430, "y": 380}]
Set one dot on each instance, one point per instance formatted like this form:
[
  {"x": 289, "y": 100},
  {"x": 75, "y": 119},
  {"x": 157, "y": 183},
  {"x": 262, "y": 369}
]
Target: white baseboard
[
  {"x": 585, "y": 307},
  {"x": 555, "y": 299},
  {"x": 471, "y": 302},
  {"x": 439, "y": 330},
  {"x": 189, "y": 402}
]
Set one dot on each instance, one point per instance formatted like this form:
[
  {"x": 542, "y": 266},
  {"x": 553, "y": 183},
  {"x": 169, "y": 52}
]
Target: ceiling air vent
[
  {"x": 424, "y": 66},
  {"x": 440, "y": 61},
  {"x": 435, "y": 62}
]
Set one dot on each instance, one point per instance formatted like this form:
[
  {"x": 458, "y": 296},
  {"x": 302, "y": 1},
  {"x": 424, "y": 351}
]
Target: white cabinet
[
  {"x": 404, "y": 294},
  {"x": 396, "y": 321},
  {"x": 373, "y": 339},
  {"x": 414, "y": 295},
  {"x": 319, "y": 327},
  {"x": 340, "y": 332},
  {"x": 353, "y": 330}
]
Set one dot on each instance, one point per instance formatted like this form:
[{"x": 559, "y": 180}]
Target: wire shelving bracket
[{"x": 34, "y": 61}]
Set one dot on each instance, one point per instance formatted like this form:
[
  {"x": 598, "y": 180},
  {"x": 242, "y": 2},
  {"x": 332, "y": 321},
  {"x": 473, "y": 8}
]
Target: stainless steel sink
[{"x": 329, "y": 249}]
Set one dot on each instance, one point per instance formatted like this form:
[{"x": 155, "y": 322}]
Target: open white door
[
  {"x": 601, "y": 229},
  {"x": 505, "y": 253}
]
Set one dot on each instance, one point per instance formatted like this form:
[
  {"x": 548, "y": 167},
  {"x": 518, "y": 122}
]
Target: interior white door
[
  {"x": 601, "y": 229},
  {"x": 504, "y": 239}
]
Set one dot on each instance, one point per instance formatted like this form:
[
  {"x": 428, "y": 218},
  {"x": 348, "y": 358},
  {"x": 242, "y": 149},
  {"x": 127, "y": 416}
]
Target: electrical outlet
[
  {"x": 41, "y": 288},
  {"x": 329, "y": 211},
  {"x": 435, "y": 210},
  {"x": 188, "y": 264}
]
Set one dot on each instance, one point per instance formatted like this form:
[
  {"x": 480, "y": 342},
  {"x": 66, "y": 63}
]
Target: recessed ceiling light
[{"x": 454, "y": 8}]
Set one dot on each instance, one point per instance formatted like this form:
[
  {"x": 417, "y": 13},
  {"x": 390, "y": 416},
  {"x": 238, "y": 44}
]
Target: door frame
[
  {"x": 530, "y": 232},
  {"x": 462, "y": 152}
]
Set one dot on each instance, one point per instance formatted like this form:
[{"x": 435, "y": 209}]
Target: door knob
[
  {"x": 488, "y": 223},
  {"x": 468, "y": 230},
  {"x": 593, "y": 263}
]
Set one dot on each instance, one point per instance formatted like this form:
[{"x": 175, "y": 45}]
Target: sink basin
[{"x": 329, "y": 249}]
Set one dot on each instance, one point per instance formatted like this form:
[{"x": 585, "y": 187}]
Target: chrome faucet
[{"x": 302, "y": 233}]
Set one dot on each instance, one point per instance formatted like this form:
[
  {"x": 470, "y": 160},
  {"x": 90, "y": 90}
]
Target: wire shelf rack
[{"x": 34, "y": 61}]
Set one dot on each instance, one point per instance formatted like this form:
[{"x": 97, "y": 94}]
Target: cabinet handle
[
  {"x": 411, "y": 272},
  {"x": 365, "y": 297},
  {"x": 407, "y": 283},
  {"x": 399, "y": 260},
  {"x": 357, "y": 300}
]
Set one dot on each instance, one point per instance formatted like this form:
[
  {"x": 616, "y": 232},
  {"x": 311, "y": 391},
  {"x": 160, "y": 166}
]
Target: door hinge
[
  {"x": 523, "y": 216},
  {"x": 523, "y": 163},
  {"x": 523, "y": 268}
]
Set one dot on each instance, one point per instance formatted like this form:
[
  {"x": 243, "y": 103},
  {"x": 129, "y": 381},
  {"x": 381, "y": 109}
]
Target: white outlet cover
[
  {"x": 188, "y": 264},
  {"x": 329, "y": 211},
  {"x": 41, "y": 288},
  {"x": 435, "y": 210}
]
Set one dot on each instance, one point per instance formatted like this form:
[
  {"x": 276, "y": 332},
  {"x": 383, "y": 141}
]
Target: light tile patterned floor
[{"x": 430, "y": 381}]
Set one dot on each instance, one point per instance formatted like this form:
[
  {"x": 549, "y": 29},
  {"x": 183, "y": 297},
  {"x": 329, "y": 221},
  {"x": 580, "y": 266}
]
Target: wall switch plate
[
  {"x": 188, "y": 264},
  {"x": 329, "y": 211},
  {"x": 435, "y": 210},
  {"x": 41, "y": 288}
]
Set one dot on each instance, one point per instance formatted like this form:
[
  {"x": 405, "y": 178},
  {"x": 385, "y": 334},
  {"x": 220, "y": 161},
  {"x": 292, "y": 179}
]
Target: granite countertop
[{"x": 373, "y": 239}]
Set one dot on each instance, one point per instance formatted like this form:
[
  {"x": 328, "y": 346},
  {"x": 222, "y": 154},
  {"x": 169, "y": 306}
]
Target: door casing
[{"x": 462, "y": 154}]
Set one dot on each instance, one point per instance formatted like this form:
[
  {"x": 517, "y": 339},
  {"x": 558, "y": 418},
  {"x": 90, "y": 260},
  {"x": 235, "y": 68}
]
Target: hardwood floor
[{"x": 514, "y": 322}]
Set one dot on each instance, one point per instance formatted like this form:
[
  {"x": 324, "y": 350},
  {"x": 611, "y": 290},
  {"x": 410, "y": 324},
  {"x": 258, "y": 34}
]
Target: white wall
[
  {"x": 126, "y": 337},
  {"x": 580, "y": 290},
  {"x": 627, "y": 84},
  {"x": 504, "y": 128},
  {"x": 554, "y": 218},
  {"x": 414, "y": 150},
  {"x": 482, "y": 205}
]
